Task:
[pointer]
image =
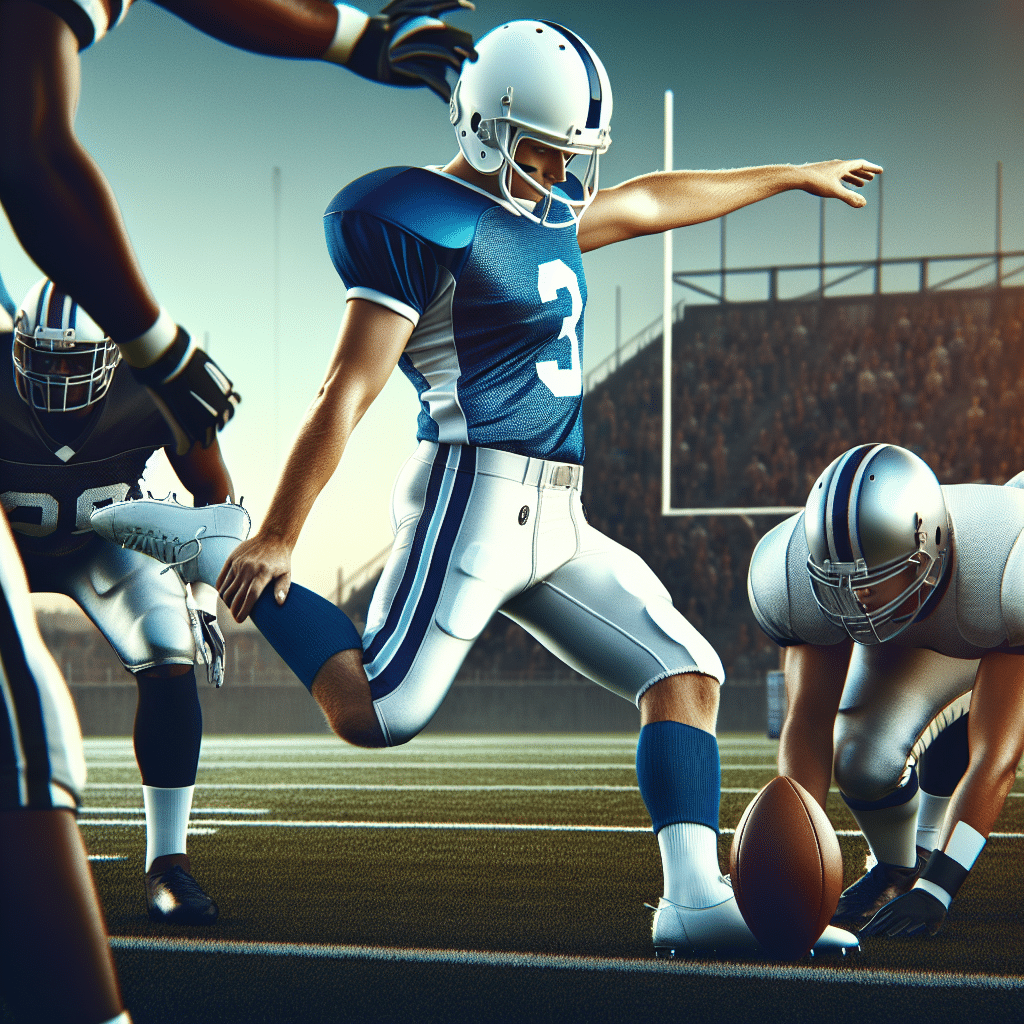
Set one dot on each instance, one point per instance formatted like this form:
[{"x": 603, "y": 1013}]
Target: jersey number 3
[{"x": 562, "y": 382}]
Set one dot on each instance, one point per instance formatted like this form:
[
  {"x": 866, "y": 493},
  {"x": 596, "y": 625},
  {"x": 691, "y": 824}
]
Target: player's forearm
[
  {"x": 674, "y": 199},
  {"x": 978, "y": 799},
  {"x": 279, "y": 28},
  {"x": 313, "y": 460},
  {"x": 814, "y": 684}
]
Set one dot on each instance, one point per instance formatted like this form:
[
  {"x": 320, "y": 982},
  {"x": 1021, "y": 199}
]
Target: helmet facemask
[
  {"x": 878, "y": 538},
  {"x": 508, "y": 138},
  {"x": 838, "y": 588},
  {"x": 55, "y": 371}
]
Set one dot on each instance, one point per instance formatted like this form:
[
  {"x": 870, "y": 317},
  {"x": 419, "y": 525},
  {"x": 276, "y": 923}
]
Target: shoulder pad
[
  {"x": 767, "y": 582},
  {"x": 1011, "y": 594},
  {"x": 426, "y": 204}
]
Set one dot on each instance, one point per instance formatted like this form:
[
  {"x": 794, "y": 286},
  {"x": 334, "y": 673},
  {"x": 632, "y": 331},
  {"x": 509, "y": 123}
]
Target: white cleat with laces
[{"x": 194, "y": 541}]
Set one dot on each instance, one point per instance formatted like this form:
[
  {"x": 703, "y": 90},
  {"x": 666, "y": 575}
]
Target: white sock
[
  {"x": 930, "y": 815},
  {"x": 689, "y": 862},
  {"x": 891, "y": 831},
  {"x": 167, "y": 812}
]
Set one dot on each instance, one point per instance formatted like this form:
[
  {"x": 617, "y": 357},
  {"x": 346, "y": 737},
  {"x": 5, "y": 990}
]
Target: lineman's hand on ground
[
  {"x": 255, "y": 564},
  {"x": 826, "y": 179}
]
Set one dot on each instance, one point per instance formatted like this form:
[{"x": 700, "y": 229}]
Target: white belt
[{"x": 521, "y": 468}]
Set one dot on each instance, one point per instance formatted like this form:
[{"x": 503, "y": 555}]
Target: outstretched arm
[
  {"x": 673, "y": 199},
  {"x": 370, "y": 343}
]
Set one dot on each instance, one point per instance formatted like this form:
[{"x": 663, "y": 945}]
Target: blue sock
[
  {"x": 307, "y": 630},
  {"x": 680, "y": 774}
]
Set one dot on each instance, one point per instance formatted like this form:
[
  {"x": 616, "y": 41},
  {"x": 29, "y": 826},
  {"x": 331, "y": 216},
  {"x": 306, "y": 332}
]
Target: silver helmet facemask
[
  {"x": 874, "y": 515},
  {"x": 62, "y": 360}
]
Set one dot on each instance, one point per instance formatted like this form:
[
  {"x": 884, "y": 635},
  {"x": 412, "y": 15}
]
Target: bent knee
[{"x": 866, "y": 772}]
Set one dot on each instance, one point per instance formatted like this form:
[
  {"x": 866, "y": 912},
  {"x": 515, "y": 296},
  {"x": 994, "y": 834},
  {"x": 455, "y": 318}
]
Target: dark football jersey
[{"x": 50, "y": 487}]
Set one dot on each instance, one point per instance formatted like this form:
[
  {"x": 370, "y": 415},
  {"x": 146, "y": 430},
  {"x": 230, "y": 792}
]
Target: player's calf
[{"x": 343, "y": 693}]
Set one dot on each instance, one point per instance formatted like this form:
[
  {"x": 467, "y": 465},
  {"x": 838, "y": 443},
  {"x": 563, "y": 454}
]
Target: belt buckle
[{"x": 562, "y": 476}]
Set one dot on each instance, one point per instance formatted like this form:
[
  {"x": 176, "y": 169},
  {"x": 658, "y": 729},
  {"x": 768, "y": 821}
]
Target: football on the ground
[{"x": 787, "y": 869}]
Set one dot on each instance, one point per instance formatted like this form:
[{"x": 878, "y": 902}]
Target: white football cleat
[
  {"x": 709, "y": 931},
  {"x": 835, "y": 942},
  {"x": 721, "y": 931},
  {"x": 194, "y": 541}
]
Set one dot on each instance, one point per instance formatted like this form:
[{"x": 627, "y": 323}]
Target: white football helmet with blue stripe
[
  {"x": 879, "y": 540},
  {"x": 538, "y": 80},
  {"x": 62, "y": 359}
]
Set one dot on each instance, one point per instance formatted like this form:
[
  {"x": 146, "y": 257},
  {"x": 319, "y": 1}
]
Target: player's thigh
[
  {"x": 42, "y": 763},
  {"x": 608, "y": 616},
  {"x": 137, "y": 606},
  {"x": 891, "y": 696},
  {"x": 452, "y": 566}
]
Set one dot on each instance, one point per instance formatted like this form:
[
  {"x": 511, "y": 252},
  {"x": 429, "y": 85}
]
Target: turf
[{"x": 326, "y": 921}]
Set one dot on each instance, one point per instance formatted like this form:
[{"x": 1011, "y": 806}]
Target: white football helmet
[
  {"x": 62, "y": 360},
  {"x": 537, "y": 80},
  {"x": 879, "y": 540}
]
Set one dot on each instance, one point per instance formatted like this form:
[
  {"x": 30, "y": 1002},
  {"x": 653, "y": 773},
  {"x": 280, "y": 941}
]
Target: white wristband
[
  {"x": 351, "y": 22},
  {"x": 148, "y": 347}
]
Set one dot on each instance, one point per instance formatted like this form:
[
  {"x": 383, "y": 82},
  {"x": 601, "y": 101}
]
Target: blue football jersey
[{"x": 497, "y": 302}]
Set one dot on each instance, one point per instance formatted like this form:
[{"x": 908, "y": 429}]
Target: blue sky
[{"x": 189, "y": 131}]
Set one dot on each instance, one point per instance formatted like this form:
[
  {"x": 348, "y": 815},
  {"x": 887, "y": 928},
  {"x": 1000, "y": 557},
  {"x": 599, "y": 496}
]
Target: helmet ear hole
[
  {"x": 938, "y": 535},
  {"x": 474, "y": 122}
]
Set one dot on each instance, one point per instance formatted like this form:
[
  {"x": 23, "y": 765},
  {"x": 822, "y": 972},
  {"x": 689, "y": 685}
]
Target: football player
[
  {"x": 470, "y": 278},
  {"x": 895, "y": 597},
  {"x": 76, "y": 431},
  {"x": 50, "y": 909},
  {"x": 61, "y": 206}
]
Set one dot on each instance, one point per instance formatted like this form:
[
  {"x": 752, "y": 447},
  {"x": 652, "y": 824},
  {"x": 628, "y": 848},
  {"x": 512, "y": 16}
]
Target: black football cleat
[
  {"x": 913, "y": 914},
  {"x": 175, "y": 897},
  {"x": 881, "y": 885}
]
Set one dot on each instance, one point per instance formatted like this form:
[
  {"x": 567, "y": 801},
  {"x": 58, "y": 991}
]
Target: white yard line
[
  {"x": 455, "y": 826},
  {"x": 820, "y": 974},
  {"x": 211, "y": 763}
]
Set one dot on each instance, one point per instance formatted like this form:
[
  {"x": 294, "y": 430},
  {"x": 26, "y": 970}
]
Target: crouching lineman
[
  {"x": 470, "y": 277},
  {"x": 76, "y": 430},
  {"x": 895, "y": 597}
]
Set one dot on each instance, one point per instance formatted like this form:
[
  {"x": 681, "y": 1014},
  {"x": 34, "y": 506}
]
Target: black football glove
[
  {"x": 407, "y": 45},
  {"x": 914, "y": 913},
  {"x": 191, "y": 391}
]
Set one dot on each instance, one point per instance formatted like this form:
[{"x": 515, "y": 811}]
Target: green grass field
[{"x": 490, "y": 879}]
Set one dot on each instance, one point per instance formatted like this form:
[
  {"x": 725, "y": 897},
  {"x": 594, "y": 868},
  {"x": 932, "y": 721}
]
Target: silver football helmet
[
  {"x": 879, "y": 540},
  {"x": 534, "y": 79},
  {"x": 62, "y": 360}
]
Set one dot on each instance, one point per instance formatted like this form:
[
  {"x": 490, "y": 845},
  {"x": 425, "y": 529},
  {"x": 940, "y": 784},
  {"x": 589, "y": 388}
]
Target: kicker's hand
[
  {"x": 407, "y": 45},
  {"x": 829, "y": 178},
  {"x": 253, "y": 566}
]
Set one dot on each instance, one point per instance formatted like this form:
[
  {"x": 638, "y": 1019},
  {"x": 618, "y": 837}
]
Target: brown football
[{"x": 787, "y": 869}]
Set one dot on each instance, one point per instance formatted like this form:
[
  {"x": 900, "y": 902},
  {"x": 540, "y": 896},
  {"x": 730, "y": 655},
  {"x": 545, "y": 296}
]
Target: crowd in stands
[{"x": 763, "y": 399}]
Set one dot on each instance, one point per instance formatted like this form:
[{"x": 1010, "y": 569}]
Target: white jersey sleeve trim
[{"x": 388, "y": 301}]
